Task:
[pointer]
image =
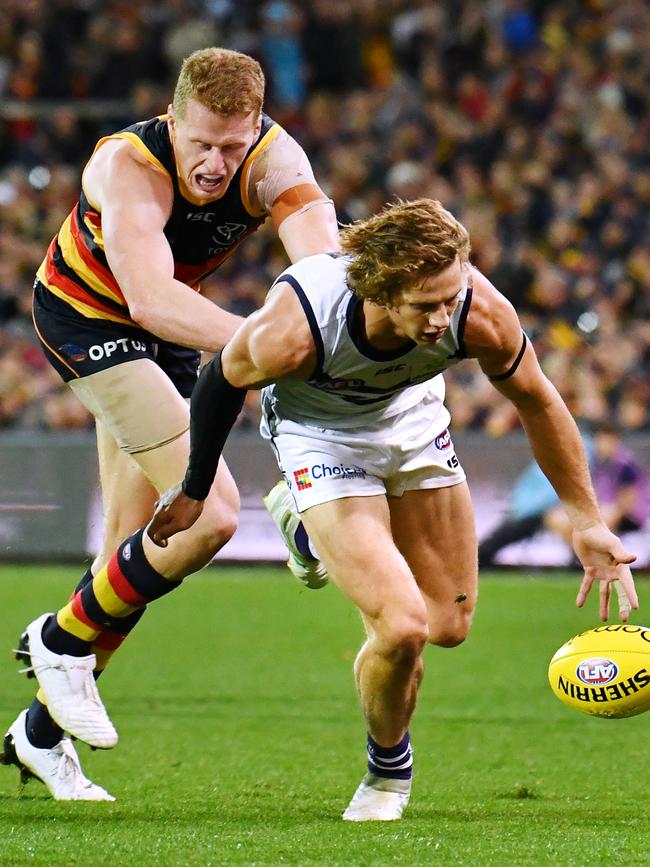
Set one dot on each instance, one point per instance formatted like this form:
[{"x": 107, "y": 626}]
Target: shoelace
[
  {"x": 91, "y": 692},
  {"x": 69, "y": 767},
  {"x": 44, "y": 666},
  {"x": 19, "y": 655}
]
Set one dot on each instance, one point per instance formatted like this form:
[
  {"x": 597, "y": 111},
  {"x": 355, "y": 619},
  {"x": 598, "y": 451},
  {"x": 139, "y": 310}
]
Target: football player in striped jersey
[{"x": 119, "y": 313}]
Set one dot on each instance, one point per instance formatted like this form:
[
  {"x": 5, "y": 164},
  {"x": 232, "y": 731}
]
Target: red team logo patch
[
  {"x": 443, "y": 440},
  {"x": 303, "y": 479}
]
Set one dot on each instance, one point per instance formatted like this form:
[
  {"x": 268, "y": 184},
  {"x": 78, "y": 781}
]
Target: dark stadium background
[{"x": 528, "y": 120}]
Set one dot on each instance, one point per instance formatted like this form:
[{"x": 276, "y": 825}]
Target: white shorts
[{"x": 321, "y": 465}]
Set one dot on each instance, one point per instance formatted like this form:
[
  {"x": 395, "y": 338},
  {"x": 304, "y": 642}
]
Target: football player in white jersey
[{"x": 349, "y": 351}]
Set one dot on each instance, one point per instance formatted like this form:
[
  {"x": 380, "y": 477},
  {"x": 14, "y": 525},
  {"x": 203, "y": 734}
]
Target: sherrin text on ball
[{"x": 604, "y": 671}]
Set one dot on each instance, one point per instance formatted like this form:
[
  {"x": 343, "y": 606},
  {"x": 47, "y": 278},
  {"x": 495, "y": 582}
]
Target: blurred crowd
[{"x": 528, "y": 120}]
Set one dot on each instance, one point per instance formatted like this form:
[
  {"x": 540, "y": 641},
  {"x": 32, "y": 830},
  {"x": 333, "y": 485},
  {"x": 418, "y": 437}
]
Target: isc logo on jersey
[{"x": 605, "y": 671}]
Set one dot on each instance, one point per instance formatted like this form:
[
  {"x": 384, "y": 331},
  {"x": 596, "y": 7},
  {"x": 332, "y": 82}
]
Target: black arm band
[
  {"x": 214, "y": 408},
  {"x": 500, "y": 377}
]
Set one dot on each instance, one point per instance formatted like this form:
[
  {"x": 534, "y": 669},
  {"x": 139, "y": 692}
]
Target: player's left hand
[
  {"x": 606, "y": 561},
  {"x": 175, "y": 511}
]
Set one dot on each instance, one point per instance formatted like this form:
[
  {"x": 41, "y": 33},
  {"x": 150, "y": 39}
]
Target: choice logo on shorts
[
  {"x": 443, "y": 440},
  {"x": 303, "y": 479},
  {"x": 324, "y": 471}
]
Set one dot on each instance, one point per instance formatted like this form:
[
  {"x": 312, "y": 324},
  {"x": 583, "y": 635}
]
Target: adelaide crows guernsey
[
  {"x": 75, "y": 268},
  {"x": 354, "y": 384}
]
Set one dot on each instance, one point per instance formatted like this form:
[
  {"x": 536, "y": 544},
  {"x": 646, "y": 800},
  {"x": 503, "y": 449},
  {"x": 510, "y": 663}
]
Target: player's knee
[
  {"x": 403, "y": 636},
  {"x": 117, "y": 531},
  {"x": 452, "y": 630},
  {"x": 218, "y": 525}
]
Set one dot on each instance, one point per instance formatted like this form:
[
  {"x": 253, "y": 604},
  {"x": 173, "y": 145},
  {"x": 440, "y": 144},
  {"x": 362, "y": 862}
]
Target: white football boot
[
  {"x": 281, "y": 507},
  {"x": 378, "y": 799},
  {"x": 58, "y": 767},
  {"x": 69, "y": 688}
]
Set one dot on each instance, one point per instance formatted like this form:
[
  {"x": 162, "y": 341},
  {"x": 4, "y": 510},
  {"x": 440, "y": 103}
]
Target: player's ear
[{"x": 171, "y": 119}]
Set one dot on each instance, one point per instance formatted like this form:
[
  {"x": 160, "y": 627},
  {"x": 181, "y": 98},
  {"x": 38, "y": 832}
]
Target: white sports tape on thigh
[{"x": 137, "y": 402}]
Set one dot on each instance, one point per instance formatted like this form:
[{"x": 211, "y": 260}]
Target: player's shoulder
[
  {"x": 144, "y": 145},
  {"x": 492, "y": 320},
  {"x": 274, "y": 140},
  {"x": 117, "y": 162},
  {"x": 320, "y": 270}
]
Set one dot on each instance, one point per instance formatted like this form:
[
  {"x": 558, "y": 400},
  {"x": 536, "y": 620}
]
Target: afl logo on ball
[
  {"x": 443, "y": 440},
  {"x": 597, "y": 671}
]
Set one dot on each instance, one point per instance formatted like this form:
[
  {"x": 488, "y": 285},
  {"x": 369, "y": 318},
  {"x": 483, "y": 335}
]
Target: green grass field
[{"x": 241, "y": 740}]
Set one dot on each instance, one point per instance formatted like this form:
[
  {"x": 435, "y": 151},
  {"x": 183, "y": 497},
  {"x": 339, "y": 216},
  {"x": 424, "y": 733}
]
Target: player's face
[
  {"x": 209, "y": 148},
  {"x": 424, "y": 310}
]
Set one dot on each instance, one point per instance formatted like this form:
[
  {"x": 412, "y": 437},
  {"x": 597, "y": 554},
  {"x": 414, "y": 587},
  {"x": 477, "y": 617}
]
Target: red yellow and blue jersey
[{"x": 201, "y": 236}]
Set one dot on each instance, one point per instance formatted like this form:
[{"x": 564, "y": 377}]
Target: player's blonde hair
[
  {"x": 405, "y": 243},
  {"x": 227, "y": 82}
]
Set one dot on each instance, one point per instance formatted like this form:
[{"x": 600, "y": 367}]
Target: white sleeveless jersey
[{"x": 355, "y": 385}]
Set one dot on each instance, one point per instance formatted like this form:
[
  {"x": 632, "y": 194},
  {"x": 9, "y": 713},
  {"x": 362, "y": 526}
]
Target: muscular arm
[
  {"x": 308, "y": 228},
  {"x": 135, "y": 200},
  {"x": 493, "y": 335},
  {"x": 282, "y": 182},
  {"x": 273, "y": 343}
]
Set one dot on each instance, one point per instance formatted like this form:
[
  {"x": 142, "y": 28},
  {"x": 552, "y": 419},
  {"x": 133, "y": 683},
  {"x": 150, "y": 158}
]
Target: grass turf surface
[{"x": 241, "y": 739}]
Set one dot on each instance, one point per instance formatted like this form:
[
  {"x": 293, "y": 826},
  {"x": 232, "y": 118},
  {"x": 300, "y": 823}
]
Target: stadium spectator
[
  {"x": 621, "y": 482},
  {"x": 542, "y": 151},
  {"x": 532, "y": 498},
  {"x": 163, "y": 203},
  {"x": 356, "y": 419}
]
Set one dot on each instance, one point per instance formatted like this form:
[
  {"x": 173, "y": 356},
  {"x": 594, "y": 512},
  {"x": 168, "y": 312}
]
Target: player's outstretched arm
[
  {"x": 273, "y": 343},
  {"x": 495, "y": 337},
  {"x": 214, "y": 408}
]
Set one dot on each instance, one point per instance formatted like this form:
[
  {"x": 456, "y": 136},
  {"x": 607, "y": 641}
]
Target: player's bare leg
[
  {"x": 353, "y": 536},
  {"x": 128, "y": 497},
  {"x": 435, "y": 531},
  {"x": 119, "y": 591}
]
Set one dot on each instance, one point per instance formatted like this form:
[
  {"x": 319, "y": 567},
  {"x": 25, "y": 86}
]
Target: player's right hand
[
  {"x": 606, "y": 562},
  {"x": 175, "y": 511}
]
